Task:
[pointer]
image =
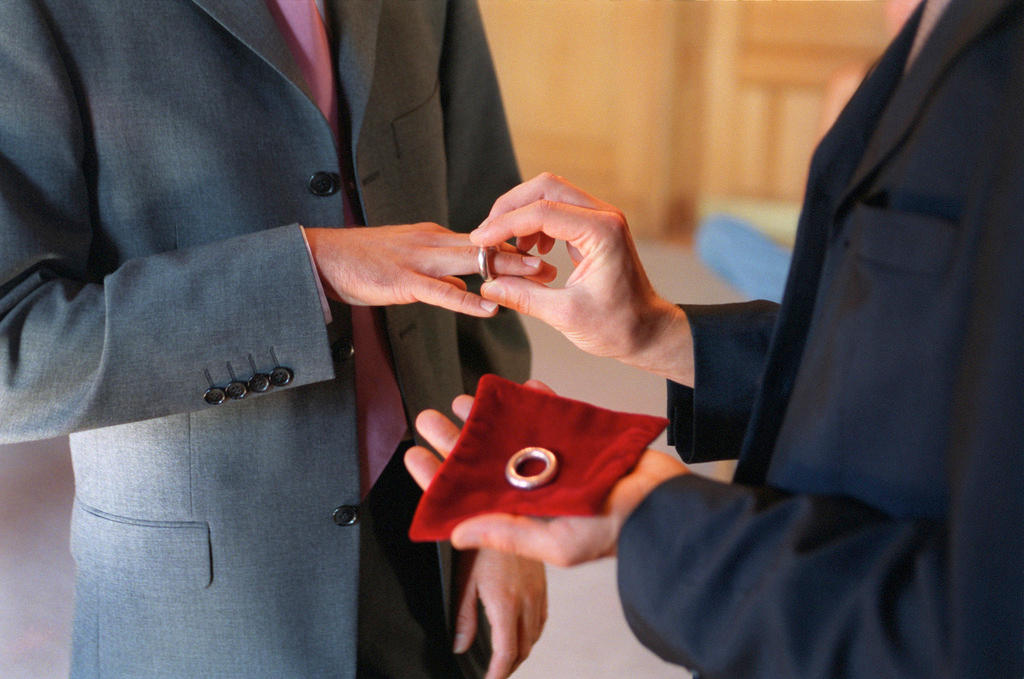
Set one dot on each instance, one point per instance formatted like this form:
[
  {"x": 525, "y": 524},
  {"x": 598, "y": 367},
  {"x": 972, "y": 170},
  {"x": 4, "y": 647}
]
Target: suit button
[
  {"x": 236, "y": 390},
  {"x": 343, "y": 349},
  {"x": 324, "y": 183},
  {"x": 259, "y": 383},
  {"x": 346, "y": 515},
  {"x": 214, "y": 396},
  {"x": 280, "y": 376}
]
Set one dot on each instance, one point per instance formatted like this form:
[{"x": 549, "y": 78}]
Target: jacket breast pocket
[
  {"x": 419, "y": 127},
  {"x": 901, "y": 241},
  {"x": 168, "y": 556}
]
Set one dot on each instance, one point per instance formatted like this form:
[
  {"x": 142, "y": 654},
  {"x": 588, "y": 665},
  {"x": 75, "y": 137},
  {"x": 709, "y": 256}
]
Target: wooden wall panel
[{"x": 655, "y": 104}]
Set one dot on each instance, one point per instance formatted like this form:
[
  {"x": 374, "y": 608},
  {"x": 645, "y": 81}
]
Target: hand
[
  {"x": 607, "y": 306},
  {"x": 571, "y": 540},
  {"x": 560, "y": 541},
  {"x": 513, "y": 591},
  {"x": 377, "y": 266}
]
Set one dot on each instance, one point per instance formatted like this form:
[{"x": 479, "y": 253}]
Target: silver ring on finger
[{"x": 484, "y": 257}]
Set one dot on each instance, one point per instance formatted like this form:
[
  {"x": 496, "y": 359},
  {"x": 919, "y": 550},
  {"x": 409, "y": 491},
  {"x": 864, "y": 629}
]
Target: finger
[
  {"x": 421, "y": 235},
  {"x": 540, "y": 614},
  {"x": 574, "y": 254},
  {"x": 456, "y": 281},
  {"x": 527, "y": 243},
  {"x": 447, "y": 296},
  {"x": 545, "y": 243},
  {"x": 438, "y": 430},
  {"x": 520, "y": 535},
  {"x": 544, "y": 186},
  {"x": 541, "y": 241},
  {"x": 465, "y": 618},
  {"x": 529, "y": 298},
  {"x": 529, "y": 632},
  {"x": 517, "y": 264},
  {"x": 460, "y": 258},
  {"x": 561, "y": 221},
  {"x": 422, "y": 465},
  {"x": 511, "y": 260},
  {"x": 537, "y": 384},
  {"x": 532, "y": 617},
  {"x": 659, "y": 465},
  {"x": 560, "y": 541},
  {"x": 462, "y": 405},
  {"x": 548, "y": 274},
  {"x": 504, "y": 621}
]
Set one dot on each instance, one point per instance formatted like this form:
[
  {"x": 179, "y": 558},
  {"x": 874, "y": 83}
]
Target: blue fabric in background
[{"x": 748, "y": 260}]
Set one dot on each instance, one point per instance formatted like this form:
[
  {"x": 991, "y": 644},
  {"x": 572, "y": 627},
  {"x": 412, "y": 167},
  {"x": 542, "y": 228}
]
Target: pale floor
[{"x": 586, "y": 636}]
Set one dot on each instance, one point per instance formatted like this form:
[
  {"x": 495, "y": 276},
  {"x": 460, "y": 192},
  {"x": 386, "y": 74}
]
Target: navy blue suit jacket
[{"x": 874, "y": 528}]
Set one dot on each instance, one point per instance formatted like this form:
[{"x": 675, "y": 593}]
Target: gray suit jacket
[{"x": 155, "y": 158}]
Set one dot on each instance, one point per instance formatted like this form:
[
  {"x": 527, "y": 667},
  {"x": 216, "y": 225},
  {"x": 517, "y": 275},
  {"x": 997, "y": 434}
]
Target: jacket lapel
[
  {"x": 354, "y": 24},
  {"x": 961, "y": 23},
  {"x": 252, "y": 24}
]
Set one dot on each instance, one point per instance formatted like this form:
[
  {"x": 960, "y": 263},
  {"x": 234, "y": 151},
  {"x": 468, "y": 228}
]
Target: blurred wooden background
[{"x": 657, "y": 105}]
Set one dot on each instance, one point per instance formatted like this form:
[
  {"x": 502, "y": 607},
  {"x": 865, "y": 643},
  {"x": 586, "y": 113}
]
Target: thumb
[{"x": 526, "y": 297}]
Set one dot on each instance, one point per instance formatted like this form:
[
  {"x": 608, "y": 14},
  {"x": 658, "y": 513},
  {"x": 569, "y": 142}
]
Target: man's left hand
[{"x": 513, "y": 591}]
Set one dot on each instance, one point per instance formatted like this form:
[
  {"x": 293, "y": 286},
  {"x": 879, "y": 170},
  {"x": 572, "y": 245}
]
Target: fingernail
[
  {"x": 488, "y": 306},
  {"x": 532, "y": 262},
  {"x": 461, "y": 645}
]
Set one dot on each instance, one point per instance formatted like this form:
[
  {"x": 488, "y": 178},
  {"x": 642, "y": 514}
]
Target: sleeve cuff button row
[{"x": 258, "y": 383}]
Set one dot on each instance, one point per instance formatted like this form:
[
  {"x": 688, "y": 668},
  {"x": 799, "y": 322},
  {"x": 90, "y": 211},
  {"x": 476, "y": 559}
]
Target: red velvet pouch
[{"x": 594, "y": 447}]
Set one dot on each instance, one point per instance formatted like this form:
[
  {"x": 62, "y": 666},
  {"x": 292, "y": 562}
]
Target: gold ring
[{"x": 541, "y": 478}]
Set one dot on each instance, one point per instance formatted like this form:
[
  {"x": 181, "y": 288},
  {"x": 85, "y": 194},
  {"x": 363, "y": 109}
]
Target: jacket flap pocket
[
  {"x": 901, "y": 241},
  {"x": 164, "y": 554},
  {"x": 421, "y": 125}
]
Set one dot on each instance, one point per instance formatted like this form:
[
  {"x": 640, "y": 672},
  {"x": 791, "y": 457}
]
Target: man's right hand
[{"x": 607, "y": 306}]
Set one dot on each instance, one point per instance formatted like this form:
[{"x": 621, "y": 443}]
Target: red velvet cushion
[{"x": 595, "y": 448}]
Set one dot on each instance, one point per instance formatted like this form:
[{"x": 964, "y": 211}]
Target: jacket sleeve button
[
  {"x": 214, "y": 396},
  {"x": 259, "y": 383},
  {"x": 346, "y": 515},
  {"x": 236, "y": 390},
  {"x": 280, "y": 376}
]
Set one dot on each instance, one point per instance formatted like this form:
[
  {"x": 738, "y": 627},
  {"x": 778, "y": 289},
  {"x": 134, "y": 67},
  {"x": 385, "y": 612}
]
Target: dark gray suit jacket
[
  {"x": 875, "y": 526},
  {"x": 155, "y": 160}
]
